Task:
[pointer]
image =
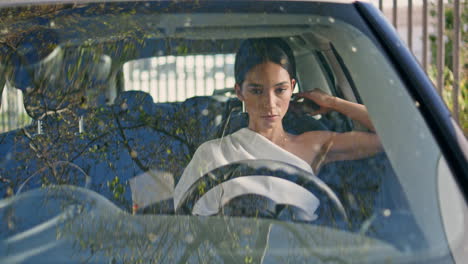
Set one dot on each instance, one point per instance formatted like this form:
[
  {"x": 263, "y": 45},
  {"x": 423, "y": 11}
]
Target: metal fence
[{"x": 432, "y": 30}]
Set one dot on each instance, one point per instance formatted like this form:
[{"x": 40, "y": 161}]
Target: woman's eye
[
  {"x": 256, "y": 91},
  {"x": 280, "y": 90}
]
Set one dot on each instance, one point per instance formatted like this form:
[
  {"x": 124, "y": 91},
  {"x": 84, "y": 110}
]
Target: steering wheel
[{"x": 280, "y": 172}]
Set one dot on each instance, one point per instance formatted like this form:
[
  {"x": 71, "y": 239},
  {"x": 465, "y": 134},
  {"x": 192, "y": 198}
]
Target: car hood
[{"x": 72, "y": 224}]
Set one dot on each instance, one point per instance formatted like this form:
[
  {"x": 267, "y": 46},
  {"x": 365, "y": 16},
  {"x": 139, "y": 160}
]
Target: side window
[
  {"x": 176, "y": 78},
  {"x": 311, "y": 66}
]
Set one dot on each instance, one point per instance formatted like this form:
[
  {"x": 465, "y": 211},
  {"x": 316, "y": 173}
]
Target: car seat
[{"x": 162, "y": 137}]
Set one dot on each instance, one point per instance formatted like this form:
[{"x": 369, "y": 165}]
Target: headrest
[
  {"x": 205, "y": 107},
  {"x": 56, "y": 78},
  {"x": 134, "y": 101}
]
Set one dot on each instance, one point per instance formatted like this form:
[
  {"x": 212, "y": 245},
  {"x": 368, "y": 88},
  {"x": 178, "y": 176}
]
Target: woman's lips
[{"x": 270, "y": 117}]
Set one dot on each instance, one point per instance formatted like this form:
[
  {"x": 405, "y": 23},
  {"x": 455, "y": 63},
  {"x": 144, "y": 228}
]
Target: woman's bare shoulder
[
  {"x": 317, "y": 137},
  {"x": 309, "y": 144}
]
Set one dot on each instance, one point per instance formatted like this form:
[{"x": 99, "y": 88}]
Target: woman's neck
[{"x": 276, "y": 134}]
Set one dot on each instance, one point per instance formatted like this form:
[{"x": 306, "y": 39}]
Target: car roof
[{"x": 9, "y": 3}]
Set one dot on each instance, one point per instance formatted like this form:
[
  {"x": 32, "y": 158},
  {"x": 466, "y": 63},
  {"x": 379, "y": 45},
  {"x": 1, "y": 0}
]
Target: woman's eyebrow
[
  {"x": 254, "y": 85},
  {"x": 281, "y": 83}
]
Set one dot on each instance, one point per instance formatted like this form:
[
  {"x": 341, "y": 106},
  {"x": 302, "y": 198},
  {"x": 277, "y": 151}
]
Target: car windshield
[{"x": 105, "y": 106}]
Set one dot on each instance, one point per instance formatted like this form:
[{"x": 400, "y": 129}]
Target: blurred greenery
[
  {"x": 116, "y": 188},
  {"x": 449, "y": 33}
]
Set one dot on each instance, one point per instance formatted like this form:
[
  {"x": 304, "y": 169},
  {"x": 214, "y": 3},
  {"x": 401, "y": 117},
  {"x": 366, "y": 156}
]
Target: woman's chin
[{"x": 267, "y": 124}]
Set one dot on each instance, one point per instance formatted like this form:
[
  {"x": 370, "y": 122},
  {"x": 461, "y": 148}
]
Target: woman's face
[{"x": 266, "y": 92}]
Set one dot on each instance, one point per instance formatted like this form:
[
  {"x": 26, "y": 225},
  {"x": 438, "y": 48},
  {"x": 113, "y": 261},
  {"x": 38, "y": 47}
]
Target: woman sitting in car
[{"x": 265, "y": 79}]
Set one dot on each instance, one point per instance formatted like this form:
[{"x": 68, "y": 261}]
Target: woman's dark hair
[{"x": 253, "y": 52}]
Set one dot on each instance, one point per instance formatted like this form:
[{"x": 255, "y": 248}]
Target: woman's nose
[{"x": 268, "y": 100}]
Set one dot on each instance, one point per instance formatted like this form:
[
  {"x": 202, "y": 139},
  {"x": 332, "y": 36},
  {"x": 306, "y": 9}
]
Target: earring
[{"x": 243, "y": 107}]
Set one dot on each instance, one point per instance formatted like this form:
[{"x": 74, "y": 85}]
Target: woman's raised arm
[
  {"x": 343, "y": 146},
  {"x": 357, "y": 112}
]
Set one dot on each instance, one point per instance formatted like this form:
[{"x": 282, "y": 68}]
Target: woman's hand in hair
[{"x": 324, "y": 102}]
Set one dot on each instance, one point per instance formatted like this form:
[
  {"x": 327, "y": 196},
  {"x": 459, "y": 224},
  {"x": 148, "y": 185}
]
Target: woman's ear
[
  {"x": 239, "y": 92},
  {"x": 293, "y": 83}
]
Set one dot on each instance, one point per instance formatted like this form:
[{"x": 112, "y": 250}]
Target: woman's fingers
[
  {"x": 319, "y": 97},
  {"x": 315, "y": 94},
  {"x": 321, "y": 111}
]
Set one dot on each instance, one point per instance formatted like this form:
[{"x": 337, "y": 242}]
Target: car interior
[{"x": 93, "y": 127}]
